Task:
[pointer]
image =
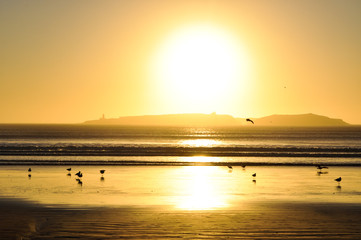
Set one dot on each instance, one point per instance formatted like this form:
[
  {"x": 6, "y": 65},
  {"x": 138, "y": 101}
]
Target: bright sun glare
[
  {"x": 203, "y": 192},
  {"x": 201, "y": 65}
]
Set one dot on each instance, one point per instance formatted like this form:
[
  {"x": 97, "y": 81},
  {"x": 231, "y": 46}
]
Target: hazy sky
[{"x": 71, "y": 61}]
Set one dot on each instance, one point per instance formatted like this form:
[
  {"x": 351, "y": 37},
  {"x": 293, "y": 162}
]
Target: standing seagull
[
  {"x": 249, "y": 120},
  {"x": 79, "y": 181},
  {"x": 79, "y": 174},
  {"x": 102, "y": 172},
  {"x": 338, "y": 180},
  {"x": 319, "y": 167}
]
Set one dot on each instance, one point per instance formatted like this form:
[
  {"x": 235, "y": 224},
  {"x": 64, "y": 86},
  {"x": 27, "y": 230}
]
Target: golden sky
[{"x": 71, "y": 61}]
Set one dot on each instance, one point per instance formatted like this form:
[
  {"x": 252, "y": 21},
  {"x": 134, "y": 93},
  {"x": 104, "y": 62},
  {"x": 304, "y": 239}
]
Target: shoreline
[{"x": 183, "y": 161}]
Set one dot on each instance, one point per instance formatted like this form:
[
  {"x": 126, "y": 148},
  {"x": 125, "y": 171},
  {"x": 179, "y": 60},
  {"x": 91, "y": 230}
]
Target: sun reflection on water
[
  {"x": 202, "y": 190},
  {"x": 199, "y": 159},
  {"x": 200, "y": 143}
]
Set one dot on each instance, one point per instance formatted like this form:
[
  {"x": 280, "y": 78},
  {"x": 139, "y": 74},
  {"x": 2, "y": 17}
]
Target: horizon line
[{"x": 167, "y": 114}]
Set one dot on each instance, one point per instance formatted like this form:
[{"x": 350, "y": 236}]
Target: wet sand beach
[
  {"x": 180, "y": 202},
  {"x": 258, "y": 221}
]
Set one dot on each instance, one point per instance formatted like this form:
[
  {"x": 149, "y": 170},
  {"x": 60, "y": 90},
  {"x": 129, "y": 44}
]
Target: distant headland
[{"x": 213, "y": 119}]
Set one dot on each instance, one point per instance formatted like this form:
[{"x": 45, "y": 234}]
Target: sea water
[
  {"x": 74, "y": 144},
  {"x": 180, "y": 167}
]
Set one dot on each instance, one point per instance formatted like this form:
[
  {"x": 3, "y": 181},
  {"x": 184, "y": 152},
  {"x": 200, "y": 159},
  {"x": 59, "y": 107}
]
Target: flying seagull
[{"x": 249, "y": 120}]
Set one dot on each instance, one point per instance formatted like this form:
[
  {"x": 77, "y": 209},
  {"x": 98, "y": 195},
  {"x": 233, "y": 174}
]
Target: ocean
[{"x": 80, "y": 144}]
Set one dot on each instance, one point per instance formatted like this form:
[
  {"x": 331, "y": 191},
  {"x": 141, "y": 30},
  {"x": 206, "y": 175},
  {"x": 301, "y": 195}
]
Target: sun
[{"x": 201, "y": 67}]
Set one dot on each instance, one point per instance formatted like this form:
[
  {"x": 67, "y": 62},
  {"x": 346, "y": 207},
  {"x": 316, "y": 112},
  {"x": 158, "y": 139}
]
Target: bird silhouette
[
  {"x": 319, "y": 167},
  {"x": 338, "y": 180},
  {"x": 29, "y": 170},
  {"x": 249, "y": 120},
  {"x": 254, "y": 175},
  {"x": 79, "y": 174},
  {"x": 69, "y": 169},
  {"x": 230, "y": 167},
  {"x": 102, "y": 171},
  {"x": 319, "y": 173},
  {"x": 79, "y": 181}
]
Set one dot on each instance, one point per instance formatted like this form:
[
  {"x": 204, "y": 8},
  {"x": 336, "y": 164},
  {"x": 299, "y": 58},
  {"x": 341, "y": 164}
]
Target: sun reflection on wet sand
[
  {"x": 178, "y": 187},
  {"x": 202, "y": 190}
]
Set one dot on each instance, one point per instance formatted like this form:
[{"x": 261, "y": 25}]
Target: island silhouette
[{"x": 213, "y": 119}]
